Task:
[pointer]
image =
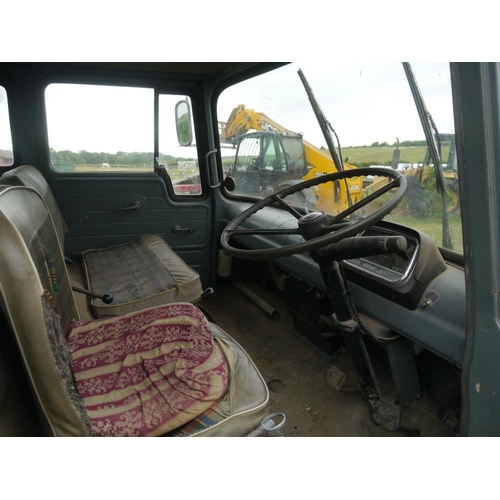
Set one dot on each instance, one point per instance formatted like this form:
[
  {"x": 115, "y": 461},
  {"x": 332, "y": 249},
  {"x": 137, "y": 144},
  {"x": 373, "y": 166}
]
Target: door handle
[
  {"x": 178, "y": 229},
  {"x": 135, "y": 206}
]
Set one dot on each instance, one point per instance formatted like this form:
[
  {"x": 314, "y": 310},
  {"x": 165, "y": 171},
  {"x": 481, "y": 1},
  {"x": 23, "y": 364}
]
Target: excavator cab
[{"x": 266, "y": 162}]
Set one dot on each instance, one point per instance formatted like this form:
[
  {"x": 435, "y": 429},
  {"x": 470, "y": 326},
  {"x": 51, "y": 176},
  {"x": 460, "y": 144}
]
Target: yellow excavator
[{"x": 274, "y": 157}]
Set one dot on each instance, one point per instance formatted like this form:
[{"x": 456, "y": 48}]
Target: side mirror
[
  {"x": 229, "y": 183},
  {"x": 183, "y": 123}
]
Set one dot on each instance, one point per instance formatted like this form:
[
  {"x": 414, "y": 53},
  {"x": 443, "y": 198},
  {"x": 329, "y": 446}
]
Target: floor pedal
[
  {"x": 335, "y": 377},
  {"x": 386, "y": 414}
]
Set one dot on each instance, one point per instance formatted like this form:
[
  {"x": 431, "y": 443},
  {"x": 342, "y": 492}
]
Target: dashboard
[{"x": 415, "y": 293}]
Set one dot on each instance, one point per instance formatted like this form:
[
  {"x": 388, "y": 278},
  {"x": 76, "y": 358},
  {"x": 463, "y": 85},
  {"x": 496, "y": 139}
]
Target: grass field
[
  {"x": 431, "y": 224},
  {"x": 433, "y": 227},
  {"x": 383, "y": 155}
]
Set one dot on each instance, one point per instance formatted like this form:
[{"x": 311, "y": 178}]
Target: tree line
[
  {"x": 83, "y": 157},
  {"x": 386, "y": 144},
  {"x": 395, "y": 144}
]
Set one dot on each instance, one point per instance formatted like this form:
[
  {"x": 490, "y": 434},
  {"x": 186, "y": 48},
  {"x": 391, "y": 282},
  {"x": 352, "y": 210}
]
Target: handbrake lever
[{"x": 107, "y": 298}]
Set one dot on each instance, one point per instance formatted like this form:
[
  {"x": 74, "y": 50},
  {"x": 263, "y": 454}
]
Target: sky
[
  {"x": 5, "y": 138},
  {"x": 365, "y": 102}
]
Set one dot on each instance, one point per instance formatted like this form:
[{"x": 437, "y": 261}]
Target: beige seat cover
[
  {"x": 32, "y": 275},
  {"x": 158, "y": 276}
]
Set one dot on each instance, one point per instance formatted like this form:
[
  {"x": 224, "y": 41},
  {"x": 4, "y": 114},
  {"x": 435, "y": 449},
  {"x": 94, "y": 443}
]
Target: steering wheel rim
[{"x": 333, "y": 236}]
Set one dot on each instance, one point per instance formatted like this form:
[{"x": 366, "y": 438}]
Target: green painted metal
[{"x": 476, "y": 89}]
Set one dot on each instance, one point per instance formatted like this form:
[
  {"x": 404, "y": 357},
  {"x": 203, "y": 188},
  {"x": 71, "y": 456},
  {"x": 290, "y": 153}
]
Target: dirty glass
[
  {"x": 100, "y": 128},
  {"x": 6, "y": 154},
  {"x": 248, "y": 154},
  {"x": 375, "y": 123},
  {"x": 110, "y": 129}
]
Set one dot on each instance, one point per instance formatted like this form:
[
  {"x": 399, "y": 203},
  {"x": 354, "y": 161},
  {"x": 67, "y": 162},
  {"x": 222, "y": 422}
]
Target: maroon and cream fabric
[{"x": 148, "y": 372}]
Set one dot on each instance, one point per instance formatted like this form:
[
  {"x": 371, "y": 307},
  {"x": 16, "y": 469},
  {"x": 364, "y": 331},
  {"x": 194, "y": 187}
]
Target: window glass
[
  {"x": 97, "y": 128},
  {"x": 374, "y": 122},
  {"x": 177, "y": 144},
  {"x": 6, "y": 154},
  {"x": 248, "y": 153}
]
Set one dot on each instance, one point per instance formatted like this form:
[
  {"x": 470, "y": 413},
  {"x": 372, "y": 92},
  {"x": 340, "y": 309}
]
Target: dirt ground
[{"x": 297, "y": 374}]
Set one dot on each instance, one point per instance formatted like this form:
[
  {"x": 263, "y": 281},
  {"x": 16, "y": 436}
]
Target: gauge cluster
[{"x": 402, "y": 277}]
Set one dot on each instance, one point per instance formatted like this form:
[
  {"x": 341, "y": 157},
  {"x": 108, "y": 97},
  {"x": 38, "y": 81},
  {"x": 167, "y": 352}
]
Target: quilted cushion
[
  {"x": 245, "y": 402},
  {"x": 148, "y": 372},
  {"x": 29, "y": 176},
  {"x": 139, "y": 274}
]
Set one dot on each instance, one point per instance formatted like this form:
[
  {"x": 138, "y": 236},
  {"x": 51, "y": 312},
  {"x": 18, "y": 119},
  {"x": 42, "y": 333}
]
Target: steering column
[{"x": 329, "y": 240}]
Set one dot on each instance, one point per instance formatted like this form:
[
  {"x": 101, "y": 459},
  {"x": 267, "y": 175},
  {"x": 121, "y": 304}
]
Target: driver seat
[{"x": 158, "y": 371}]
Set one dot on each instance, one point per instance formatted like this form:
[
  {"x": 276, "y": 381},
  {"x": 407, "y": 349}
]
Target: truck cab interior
[{"x": 146, "y": 290}]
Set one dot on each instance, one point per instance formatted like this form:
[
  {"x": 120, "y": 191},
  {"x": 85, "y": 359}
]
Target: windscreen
[{"x": 374, "y": 122}]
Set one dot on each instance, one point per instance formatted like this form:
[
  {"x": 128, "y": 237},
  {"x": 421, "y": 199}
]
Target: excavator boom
[
  {"x": 319, "y": 162},
  {"x": 242, "y": 120}
]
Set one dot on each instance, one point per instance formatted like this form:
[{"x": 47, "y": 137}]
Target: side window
[
  {"x": 100, "y": 128},
  {"x": 270, "y": 157},
  {"x": 180, "y": 160},
  {"x": 274, "y": 157},
  {"x": 6, "y": 155},
  {"x": 103, "y": 128}
]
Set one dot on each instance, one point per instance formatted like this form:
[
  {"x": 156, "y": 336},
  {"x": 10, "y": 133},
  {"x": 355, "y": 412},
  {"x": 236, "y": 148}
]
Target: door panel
[{"x": 93, "y": 210}]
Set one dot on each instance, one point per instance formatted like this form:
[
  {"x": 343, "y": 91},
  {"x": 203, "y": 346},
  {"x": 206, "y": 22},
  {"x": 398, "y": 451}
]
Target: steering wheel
[{"x": 318, "y": 228}]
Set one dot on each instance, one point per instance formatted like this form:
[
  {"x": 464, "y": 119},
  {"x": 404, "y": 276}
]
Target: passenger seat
[{"x": 138, "y": 274}]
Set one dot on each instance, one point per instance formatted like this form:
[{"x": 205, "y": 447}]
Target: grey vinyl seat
[
  {"x": 138, "y": 274},
  {"x": 78, "y": 369}
]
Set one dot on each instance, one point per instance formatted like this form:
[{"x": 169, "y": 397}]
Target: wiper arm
[
  {"x": 326, "y": 127},
  {"x": 430, "y": 129},
  {"x": 323, "y": 123},
  {"x": 434, "y": 144}
]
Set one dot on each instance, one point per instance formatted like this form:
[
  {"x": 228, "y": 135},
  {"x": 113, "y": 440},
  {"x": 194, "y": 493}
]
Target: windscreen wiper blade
[
  {"x": 323, "y": 123},
  {"x": 326, "y": 128},
  {"x": 430, "y": 129},
  {"x": 434, "y": 144}
]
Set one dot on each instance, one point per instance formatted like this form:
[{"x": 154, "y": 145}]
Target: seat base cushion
[
  {"x": 146, "y": 373},
  {"x": 139, "y": 274},
  {"x": 245, "y": 404}
]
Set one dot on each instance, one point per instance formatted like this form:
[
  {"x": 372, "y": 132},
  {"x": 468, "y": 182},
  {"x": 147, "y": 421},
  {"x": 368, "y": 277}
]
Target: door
[{"x": 106, "y": 143}]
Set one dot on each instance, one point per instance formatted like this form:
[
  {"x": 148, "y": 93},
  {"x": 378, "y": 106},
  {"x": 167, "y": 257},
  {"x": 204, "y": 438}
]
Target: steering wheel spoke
[
  {"x": 267, "y": 232},
  {"x": 286, "y": 206},
  {"x": 335, "y": 227}
]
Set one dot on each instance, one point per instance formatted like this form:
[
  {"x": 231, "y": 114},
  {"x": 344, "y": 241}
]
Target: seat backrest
[
  {"x": 36, "y": 296},
  {"x": 30, "y": 176}
]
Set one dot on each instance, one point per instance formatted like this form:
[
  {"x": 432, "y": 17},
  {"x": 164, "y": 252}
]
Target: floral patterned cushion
[{"x": 148, "y": 372}]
